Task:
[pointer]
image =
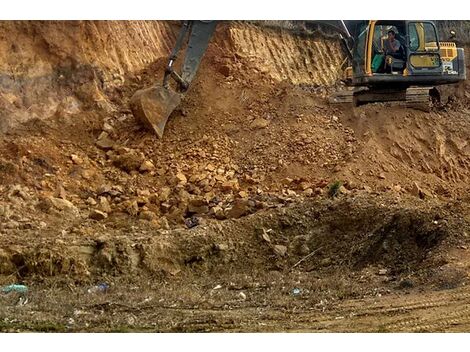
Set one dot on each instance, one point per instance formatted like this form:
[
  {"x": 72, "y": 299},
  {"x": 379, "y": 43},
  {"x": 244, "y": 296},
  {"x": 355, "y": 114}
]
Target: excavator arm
[
  {"x": 153, "y": 105},
  {"x": 200, "y": 33}
]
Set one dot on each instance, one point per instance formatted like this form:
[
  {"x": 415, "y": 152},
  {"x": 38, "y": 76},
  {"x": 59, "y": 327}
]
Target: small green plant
[{"x": 333, "y": 189}]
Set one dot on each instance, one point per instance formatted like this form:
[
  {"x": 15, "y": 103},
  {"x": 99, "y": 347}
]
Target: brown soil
[{"x": 243, "y": 192}]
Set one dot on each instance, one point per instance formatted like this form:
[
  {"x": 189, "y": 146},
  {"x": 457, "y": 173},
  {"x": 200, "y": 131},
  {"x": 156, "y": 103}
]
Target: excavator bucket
[{"x": 152, "y": 106}]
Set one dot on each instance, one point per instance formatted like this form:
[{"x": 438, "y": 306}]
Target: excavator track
[
  {"x": 419, "y": 98},
  {"x": 415, "y": 97}
]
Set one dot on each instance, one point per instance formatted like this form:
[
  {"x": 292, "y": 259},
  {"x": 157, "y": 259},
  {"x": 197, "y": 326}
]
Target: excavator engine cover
[{"x": 152, "y": 106}]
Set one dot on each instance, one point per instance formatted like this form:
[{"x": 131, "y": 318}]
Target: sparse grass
[
  {"x": 32, "y": 326},
  {"x": 382, "y": 329},
  {"x": 333, "y": 188}
]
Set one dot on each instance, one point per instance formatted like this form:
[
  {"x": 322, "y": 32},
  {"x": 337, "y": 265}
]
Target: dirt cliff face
[
  {"x": 282, "y": 56},
  {"x": 61, "y": 67}
]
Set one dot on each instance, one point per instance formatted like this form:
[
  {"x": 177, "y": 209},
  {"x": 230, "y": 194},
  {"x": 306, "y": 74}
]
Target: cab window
[{"x": 423, "y": 37}]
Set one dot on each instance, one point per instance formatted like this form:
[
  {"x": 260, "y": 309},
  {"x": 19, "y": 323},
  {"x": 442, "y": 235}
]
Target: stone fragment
[
  {"x": 63, "y": 205},
  {"x": 181, "y": 178},
  {"x": 259, "y": 123},
  {"x": 280, "y": 250},
  {"x": 98, "y": 215},
  {"x": 147, "y": 165},
  {"x": 239, "y": 209}
]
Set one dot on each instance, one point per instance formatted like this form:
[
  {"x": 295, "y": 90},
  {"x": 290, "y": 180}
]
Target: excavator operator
[{"x": 392, "y": 45}]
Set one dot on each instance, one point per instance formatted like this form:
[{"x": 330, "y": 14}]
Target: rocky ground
[{"x": 263, "y": 207}]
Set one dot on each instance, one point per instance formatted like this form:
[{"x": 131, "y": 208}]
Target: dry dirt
[{"x": 263, "y": 208}]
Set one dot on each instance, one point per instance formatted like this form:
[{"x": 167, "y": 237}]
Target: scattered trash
[
  {"x": 296, "y": 291},
  {"x": 15, "y": 288},
  {"x": 265, "y": 235},
  {"x": 191, "y": 222},
  {"x": 103, "y": 287},
  {"x": 78, "y": 312},
  {"x": 22, "y": 301},
  {"x": 242, "y": 296},
  {"x": 383, "y": 272},
  {"x": 218, "y": 287},
  {"x": 70, "y": 323}
]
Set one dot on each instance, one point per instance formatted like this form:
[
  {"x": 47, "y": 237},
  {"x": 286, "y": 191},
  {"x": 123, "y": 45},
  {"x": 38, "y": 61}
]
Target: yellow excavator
[{"x": 407, "y": 70}]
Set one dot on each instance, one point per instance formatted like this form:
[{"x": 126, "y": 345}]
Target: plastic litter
[
  {"x": 102, "y": 287},
  {"x": 15, "y": 288},
  {"x": 22, "y": 301},
  {"x": 296, "y": 291}
]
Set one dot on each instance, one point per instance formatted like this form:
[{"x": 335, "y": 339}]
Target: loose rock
[
  {"x": 76, "y": 159},
  {"x": 63, "y": 205},
  {"x": 147, "y": 215},
  {"x": 105, "y": 143},
  {"x": 280, "y": 250},
  {"x": 259, "y": 123},
  {"x": 218, "y": 213},
  {"x": 198, "y": 206},
  {"x": 132, "y": 208},
  {"x": 98, "y": 215},
  {"x": 181, "y": 178},
  {"x": 230, "y": 185},
  {"x": 147, "y": 165},
  {"x": 104, "y": 204},
  {"x": 239, "y": 209}
]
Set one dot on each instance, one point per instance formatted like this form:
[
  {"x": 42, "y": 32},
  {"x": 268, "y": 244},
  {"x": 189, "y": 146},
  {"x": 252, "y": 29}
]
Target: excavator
[{"x": 410, "y": 74}]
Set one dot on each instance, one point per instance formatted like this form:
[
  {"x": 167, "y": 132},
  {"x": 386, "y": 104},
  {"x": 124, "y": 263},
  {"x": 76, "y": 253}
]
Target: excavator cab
[
  {"x": 421, "y": 60},
  {"x": 409, "y": 74},
  {"x": 383, "y": 61}
]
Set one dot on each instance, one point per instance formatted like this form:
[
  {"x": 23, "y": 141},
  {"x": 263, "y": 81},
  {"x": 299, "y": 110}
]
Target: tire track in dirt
[
  {"x": 435, "y": 322},
  {"x": 388, "y": 306},
  {"x": 421, "y": 314}
]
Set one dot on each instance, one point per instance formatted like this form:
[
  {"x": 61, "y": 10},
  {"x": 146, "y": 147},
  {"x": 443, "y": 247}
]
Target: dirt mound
[
  {"x": 324, "y": 236},
  {"x": 403, "y": 147}
]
